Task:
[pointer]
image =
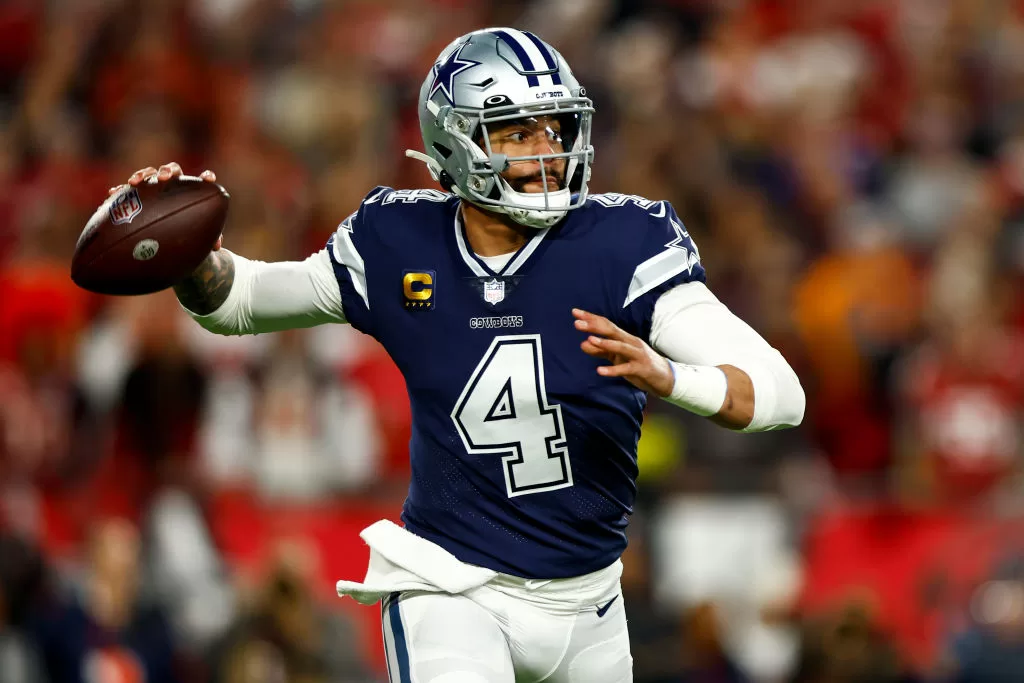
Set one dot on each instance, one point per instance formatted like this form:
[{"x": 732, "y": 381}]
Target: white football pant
[
  {"x": 450, "y": 622},
  {"x": 510, "y": 630}
]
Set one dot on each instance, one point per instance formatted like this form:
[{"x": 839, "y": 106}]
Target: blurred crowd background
[{"x": 176, "y": 506}]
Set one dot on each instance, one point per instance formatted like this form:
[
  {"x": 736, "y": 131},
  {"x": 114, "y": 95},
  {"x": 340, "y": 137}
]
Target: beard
[{"x": 519, "y": 182}]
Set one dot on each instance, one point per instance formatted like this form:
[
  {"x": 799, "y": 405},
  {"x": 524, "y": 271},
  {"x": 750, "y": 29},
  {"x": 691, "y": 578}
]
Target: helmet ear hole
[
  {"x": 442, "y": 150},
  {"x": 446, "y": 181}
]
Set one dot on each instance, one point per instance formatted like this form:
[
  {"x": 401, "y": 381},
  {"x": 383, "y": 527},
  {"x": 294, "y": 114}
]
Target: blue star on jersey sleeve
[{"x": 667, "y": 257}]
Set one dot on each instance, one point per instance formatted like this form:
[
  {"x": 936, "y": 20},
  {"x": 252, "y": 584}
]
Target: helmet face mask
[
  {"x": 485, "y": 81},
  {"x": 501, "y": 138}
]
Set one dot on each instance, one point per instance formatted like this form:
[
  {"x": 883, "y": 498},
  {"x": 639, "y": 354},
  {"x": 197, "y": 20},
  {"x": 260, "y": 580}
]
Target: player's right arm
[
  {"x": 230, "y": 294},
  {"x": 209, "y": 285}
]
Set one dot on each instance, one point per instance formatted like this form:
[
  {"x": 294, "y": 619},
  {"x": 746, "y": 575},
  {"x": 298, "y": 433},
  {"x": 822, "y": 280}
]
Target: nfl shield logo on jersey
[
  {"x": 125, "y": 207},
  {"x": 494, "y": 291}
]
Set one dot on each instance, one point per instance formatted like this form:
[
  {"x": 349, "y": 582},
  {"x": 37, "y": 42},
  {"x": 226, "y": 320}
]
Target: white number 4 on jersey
[{"x": 504, "y": 410}]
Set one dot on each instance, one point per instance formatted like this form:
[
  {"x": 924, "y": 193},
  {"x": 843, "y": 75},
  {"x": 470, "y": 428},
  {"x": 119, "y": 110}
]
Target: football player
[{"x": 530, "y": 321}]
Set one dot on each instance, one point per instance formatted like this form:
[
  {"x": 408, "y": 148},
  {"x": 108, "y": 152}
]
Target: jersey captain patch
[{"x": 418, "y": 289}]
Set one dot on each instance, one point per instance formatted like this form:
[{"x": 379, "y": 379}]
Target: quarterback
[{"x": 530, "y": 320}]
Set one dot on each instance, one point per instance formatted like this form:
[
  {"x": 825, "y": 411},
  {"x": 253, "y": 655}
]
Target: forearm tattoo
[{"x": 208, "y": 286}]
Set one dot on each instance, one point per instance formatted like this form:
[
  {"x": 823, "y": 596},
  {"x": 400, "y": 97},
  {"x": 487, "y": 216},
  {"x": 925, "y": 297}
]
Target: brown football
[{"x": 144, "y": 239}]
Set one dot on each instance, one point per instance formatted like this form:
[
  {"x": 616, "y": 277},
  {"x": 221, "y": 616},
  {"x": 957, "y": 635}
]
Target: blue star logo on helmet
[{"x": 445, "y": 72}]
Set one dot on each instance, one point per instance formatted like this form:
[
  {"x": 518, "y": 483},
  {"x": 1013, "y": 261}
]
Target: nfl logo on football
[
  {"x": 494, "y": 292},
  {"x": 125, "y": 207}
]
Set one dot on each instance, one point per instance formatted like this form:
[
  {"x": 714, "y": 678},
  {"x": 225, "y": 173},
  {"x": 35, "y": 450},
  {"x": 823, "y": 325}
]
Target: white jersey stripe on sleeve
[
  {"x": 346, "y": 254},
  {"x": 658, "y": 269}
]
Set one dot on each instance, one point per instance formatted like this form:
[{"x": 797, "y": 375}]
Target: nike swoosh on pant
[{"x": 602, "y": 610}]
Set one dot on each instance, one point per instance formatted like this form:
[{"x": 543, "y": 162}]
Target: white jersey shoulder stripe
[
  {"x": 346, "y": 254},
  {"x": 662, "y": 267}
]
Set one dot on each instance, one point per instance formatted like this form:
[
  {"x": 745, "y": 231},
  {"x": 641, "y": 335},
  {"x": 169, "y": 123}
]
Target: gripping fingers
[
  {"x": 141, "y": 175},
  {"x": 168, "y": 171},
  {"x": 165, "y": 172}
]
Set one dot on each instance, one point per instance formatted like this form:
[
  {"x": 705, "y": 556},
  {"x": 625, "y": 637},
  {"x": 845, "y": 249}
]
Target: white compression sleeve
[
  {"x": 266, "y": 297},
  {"x": 691, "y": 326}
]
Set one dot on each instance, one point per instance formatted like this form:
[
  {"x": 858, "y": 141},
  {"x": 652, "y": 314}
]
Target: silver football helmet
[{"x": 487, "y": 78}]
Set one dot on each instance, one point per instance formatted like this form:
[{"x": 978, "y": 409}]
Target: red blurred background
[{"x": 176, "y": 506}]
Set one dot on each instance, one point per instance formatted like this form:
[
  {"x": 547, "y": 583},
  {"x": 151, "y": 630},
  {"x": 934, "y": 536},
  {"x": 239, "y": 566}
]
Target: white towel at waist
[{"x": 402, "y": 561}]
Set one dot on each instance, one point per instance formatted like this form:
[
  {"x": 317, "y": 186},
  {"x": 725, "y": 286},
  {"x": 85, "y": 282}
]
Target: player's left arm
[
  {"x": 697, "y": 331},
  {"x": 673, "y": 338},
  {"x": 714, "y": 364}
]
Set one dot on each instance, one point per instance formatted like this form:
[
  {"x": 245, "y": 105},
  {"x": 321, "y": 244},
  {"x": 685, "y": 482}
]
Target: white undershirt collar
[
  {"x": 510, "y": 263},
  {"x": 496, "y": 263}
]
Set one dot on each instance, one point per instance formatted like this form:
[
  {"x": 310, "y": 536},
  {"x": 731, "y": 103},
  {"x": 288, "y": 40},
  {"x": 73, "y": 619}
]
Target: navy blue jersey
[{"x": 523, "y": 457}]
